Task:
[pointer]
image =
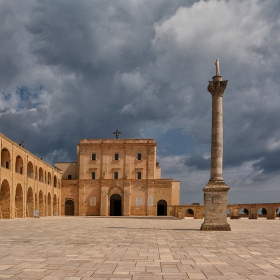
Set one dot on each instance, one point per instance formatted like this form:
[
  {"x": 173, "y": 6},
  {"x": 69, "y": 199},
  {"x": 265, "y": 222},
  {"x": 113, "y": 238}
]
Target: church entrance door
[
  {"x": 69, "y": 208},
  {"x": 162, "y": 208},
  {"x": 115, "y": 205}
]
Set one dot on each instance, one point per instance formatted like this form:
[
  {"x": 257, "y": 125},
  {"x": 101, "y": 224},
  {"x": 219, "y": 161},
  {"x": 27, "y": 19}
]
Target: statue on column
[{"x": 217, "y": 67}]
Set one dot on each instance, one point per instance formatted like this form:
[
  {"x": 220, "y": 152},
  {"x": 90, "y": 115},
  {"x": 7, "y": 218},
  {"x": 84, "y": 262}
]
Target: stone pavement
[{"x": 91, "y": 248}]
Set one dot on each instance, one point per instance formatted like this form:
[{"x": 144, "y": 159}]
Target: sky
[{"x": 72, "y": 70}]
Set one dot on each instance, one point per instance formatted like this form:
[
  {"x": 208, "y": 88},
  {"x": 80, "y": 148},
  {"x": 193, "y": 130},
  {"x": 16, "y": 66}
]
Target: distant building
[{"x": 116, "y": 177}]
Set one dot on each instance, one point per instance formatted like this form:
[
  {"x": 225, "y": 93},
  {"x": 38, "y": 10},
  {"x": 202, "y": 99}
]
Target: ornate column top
[{"x": 217, "y": 87}]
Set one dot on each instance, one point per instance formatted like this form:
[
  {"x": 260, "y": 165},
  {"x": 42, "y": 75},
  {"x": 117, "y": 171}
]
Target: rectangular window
[
  {"x": 139, "y": 156},
  {"x": 20, "y": 170},
  {"x": 69, "y": 177},
  {"x": 93, "y": 156},
  {"x": 7, "y": 164},
  {"x": 116, "y": 175},
  {"x": 92, "y": 175},
  {"x": 116, "y": 156},
  {"x": 139, "y": 175}
]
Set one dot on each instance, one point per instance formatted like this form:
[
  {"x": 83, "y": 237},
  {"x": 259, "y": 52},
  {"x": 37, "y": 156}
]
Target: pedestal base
[
  {"x": 215, "y": 206},
  {"x": 225, "y": 227}
]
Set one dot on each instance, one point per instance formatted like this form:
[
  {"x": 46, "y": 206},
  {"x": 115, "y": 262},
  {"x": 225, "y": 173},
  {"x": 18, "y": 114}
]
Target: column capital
[{"x": 217, "y": 87}]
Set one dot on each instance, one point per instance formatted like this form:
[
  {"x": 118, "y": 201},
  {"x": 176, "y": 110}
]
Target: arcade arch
[
  {"x": 5, "y": 158},
  {"x": 5, "y": 200},
  {"x": 41, "y": 203},
  {"x": 30, "y": 170},
  {"x": 30, "y": 203},
  {"x": 19, "y": 165},
  {"x": 19, "y": 202},
  {"x": 49, "y": 204},
  {"x": 55, "y": 210}
]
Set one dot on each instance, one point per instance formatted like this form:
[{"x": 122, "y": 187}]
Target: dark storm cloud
[{"x": 72, "y": 70}]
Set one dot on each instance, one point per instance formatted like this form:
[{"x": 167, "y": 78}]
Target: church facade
[{"x": 116, "y": 177}]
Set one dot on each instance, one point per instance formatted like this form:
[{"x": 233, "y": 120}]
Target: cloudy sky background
[{"x": 81, "y": 69}]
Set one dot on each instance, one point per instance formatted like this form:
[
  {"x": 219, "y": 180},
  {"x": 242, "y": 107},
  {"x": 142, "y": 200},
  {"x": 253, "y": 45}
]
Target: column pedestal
[{"x": 215, "y": 206}]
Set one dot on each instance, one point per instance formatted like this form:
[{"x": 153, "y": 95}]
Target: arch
[
  {"x": 69, "y": 207},
  {"x": 30, "y": 170},
  {"x": 262, "y": 212},
  {"x": 19, "y": 202},
  {"x": 30, "y": 203},
  {"x": 115, "y": 205},
  {"x": 189, "y": 212},
  {"x": 162, "y": 208},
  {"x": 19, "y": 165},
  {"x": 244, "y": 212},
  {"x": 49, "y": 204},
  {"x": 41, "y": 175},
  {"x": 49, "y": 178},
  {"x": 55, "y": 181},
  {"x": 5, "y": 158},
  {"x": 41, "y": 203},
  {"x": 5, "y": 200},
  {"x": 55, "y": 205}
]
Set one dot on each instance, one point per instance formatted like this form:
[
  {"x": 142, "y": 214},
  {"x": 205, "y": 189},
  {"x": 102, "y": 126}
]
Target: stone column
[{"x": 216, "y": 191}]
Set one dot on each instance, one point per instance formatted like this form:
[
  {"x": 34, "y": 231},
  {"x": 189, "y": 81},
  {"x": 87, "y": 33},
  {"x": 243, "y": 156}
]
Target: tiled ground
[{"x": 77, "y": 248}]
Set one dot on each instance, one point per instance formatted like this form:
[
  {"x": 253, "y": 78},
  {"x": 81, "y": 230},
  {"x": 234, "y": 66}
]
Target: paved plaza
[{"x": 54, "y": 248}]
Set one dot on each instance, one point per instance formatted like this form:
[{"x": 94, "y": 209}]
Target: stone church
[{"x": 116, "y": 177}]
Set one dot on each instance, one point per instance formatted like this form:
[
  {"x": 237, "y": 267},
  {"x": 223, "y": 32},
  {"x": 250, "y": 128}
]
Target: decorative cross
[{"x": 117, "y": 133}]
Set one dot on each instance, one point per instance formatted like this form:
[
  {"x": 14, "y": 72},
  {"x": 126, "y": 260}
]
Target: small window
[
  {"x": 20, "y": 170},
  {"x": 69, "y": 177},
  {"x": 116, "y": 175},
  {"x": 93, "y": 156},
  {"x": 116, "y": 156},
  {"x": 7, "y": 164},
  {"x": 92, "y": 175},
  {"x": 139, "y": 156},
  {"x": 139, "y": 175}
]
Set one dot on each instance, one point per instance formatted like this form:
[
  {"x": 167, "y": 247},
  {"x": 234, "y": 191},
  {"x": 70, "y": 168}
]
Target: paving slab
[{"x": 84, "y": 248}]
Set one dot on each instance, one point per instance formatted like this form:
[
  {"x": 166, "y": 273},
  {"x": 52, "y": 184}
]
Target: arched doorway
[
  {"x": 30, "y": 203},
  {"x": 162, "y": 208},
  {"x": 19, "y": 202},
  {"x": 5, "y": 199},
  {"x": 115, "y": 205},
  {"x": 69, "y": 208}
]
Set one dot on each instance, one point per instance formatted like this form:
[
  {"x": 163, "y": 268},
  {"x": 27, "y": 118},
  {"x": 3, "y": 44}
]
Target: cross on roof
[{"x": 117, "y": 133}]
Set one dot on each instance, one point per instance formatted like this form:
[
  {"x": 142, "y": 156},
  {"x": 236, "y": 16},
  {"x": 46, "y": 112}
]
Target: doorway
[
  {"x": 69, "y": 208},
  {"x": 115, "y": 205},
  {"x": 162, "y": 208}
]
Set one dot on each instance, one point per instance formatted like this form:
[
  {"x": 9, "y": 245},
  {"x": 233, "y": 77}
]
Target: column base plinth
[{"x": 215, "y": 227}]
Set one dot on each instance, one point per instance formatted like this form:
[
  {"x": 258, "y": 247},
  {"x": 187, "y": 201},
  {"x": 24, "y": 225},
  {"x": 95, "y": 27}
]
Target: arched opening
[
  {"x": 19, "y": 202},
  {"x": 30, "y": 170},
  {"x": 55, "y": 205},
  {"x": 69, "y": 208},
  {"x": 244, "y": 213},
  {"x": 262, "y": 213},
  {"x": 36, "y": 173},
  {"x": 49, "y": 204},
  {"x": 55, "y": 181},
  {"x": 19, "y": 165},
  {"x": 162, "y": 208},
  {"x": 5, "y": 158},
  {"x": 36, "y": 202},
  {"x": 189, "y": 213},
  {"x": 5, "y": 200},
  {"x": 41, "y": 204},
  {"x": 115, "y": 205},
  {"x": 30, "y": 203},
  {"x": 49, "y": 178},
  {"x": 41, "y": 175}
]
